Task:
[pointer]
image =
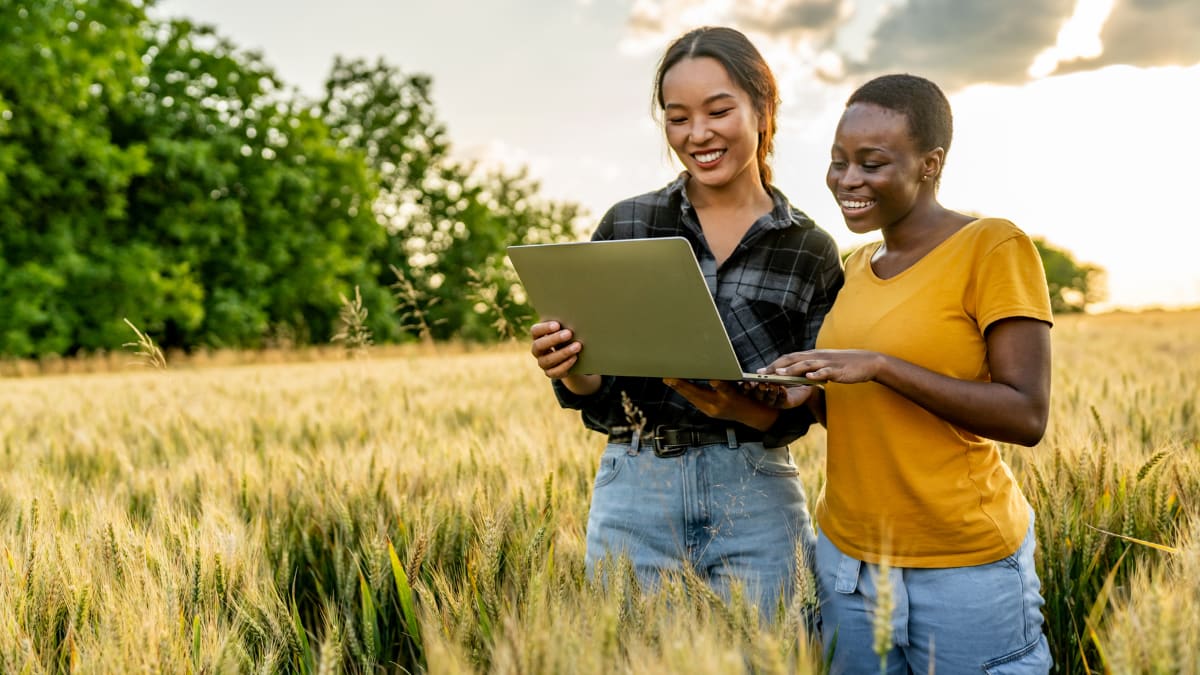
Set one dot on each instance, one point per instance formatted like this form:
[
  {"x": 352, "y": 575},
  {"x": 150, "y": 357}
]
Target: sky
[{"x": 1075, "y": 119}]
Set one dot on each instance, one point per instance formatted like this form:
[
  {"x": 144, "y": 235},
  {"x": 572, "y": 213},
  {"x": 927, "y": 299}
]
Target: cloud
[
  {"x": 653, "y": 23},
  {"x": 959, "y": 43},
  {"x": 781, "y": 18},
  {"x": 1147, "y": 33},
  {"x": 956, "y": 43}
]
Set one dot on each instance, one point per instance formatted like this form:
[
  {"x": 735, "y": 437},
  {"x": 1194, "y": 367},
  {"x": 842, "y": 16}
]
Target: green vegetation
[
  {"x": 1073, "y": 285},
  {"x": 154, "y": 172},
  {"x": 376, "y": 514}
]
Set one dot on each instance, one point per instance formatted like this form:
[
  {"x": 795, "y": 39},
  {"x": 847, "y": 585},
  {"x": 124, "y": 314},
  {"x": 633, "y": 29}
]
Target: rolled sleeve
[
  {"x": 570, "y": 400},
  {"x": 595, "y": 409}
]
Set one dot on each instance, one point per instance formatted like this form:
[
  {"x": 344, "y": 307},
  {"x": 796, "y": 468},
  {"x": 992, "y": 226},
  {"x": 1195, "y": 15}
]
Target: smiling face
[
  {"x": 875, "y": 168},
  {"x": 711, "y": 123}
]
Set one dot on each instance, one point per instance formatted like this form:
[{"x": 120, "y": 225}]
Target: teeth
[
  {"x": 846, "y": 203},
  {"x": 709, "y": 156}
]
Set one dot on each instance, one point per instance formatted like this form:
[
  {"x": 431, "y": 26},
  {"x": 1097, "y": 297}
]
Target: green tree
[
  {"x": 64, "y": 67},
  {"x": 152, "y": 171},
  {"x": 448, "y": 223},
  {"x": 1073, "y": 285},
  {"x": 253, "y": 195}
]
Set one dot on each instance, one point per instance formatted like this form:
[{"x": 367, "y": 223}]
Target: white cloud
[{"x": 1079, "y": 37}]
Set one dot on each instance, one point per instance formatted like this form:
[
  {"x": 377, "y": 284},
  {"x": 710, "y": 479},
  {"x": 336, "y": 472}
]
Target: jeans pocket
[
  {"x": 1032, "y": 658},
  {"x": 610, "y": 466},
  {"x": 769, "y": 461}
]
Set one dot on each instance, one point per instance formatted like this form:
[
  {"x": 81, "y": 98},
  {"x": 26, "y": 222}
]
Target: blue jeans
[
  {"x": 732, "y": 514},
  {"x": 978, "y": 619}
]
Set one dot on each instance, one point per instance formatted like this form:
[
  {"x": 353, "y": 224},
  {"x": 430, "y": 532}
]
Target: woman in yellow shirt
[{"x": 937, "y": 347}]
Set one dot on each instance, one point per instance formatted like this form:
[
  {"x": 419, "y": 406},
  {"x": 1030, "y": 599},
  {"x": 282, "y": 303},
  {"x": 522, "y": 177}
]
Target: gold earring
[{"x": 924, "y": 178}]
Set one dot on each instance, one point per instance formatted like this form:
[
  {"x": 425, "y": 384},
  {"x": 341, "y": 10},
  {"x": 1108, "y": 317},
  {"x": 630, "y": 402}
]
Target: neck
[
  {"x": 913, "y": 230},
  {"x": 745, "y": 191}
]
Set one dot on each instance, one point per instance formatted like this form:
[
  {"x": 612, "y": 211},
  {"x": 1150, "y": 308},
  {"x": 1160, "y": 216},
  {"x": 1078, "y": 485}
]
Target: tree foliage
[
  {"x": 152, "y": 171},
  {"x": 1073, "y": 285},
  {"x": 445, "y": 220}
]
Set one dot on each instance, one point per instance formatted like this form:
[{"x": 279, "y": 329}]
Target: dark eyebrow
[
  {"x": 707, "y": 101},
  {"x": 860, "y": 151}
]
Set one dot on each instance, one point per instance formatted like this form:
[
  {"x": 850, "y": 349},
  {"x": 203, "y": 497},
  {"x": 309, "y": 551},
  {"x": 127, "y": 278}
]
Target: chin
[
  {"x": 713, "y": 181},
  {"x": 860, "y": 225},
  {"x": 861, "y": 228}
]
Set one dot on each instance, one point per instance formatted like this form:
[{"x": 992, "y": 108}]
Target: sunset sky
[{"x": 1076, "y": 119}]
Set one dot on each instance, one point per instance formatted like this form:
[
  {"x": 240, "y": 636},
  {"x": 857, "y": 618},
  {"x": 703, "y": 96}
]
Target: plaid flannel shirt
[{"x": 772, "y": 293}]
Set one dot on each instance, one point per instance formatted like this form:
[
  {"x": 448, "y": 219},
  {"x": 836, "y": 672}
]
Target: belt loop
[
  {"x": 731, "y": 438},
  {"x": 635, "y": 441}
]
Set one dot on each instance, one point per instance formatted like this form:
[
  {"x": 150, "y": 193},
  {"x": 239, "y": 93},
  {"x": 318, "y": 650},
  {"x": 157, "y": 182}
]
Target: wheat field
[{"x": 424, "y": 509}]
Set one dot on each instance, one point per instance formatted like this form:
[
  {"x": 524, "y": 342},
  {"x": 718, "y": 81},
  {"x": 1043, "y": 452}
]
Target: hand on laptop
[
  {"x": 725, "y": 401},
  {"x": 556, "y": 351},
  {"x": 778, "y": 395}
]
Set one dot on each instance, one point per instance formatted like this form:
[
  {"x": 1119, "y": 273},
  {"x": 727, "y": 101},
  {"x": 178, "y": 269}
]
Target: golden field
[{"x": 424, "y": 509}]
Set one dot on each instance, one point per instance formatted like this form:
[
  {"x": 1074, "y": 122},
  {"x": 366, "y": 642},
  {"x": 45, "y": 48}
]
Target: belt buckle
[{"x": 662, "y": 449}]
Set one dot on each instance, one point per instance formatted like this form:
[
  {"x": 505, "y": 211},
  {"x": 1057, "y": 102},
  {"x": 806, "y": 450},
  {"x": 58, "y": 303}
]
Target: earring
[{"x": 924, "y": 178}]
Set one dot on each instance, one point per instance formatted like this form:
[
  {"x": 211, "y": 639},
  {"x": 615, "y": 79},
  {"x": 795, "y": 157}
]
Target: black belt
[{"x": 674, "y": 441}]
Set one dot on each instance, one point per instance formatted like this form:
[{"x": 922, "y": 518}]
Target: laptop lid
[{"x": 639, "y": 307}]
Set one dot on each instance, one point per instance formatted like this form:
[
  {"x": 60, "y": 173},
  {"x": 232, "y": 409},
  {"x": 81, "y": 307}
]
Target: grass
[{"x": 424, "y": 509}]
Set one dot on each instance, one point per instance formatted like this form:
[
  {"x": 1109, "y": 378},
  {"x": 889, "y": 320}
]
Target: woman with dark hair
[
  {"x": 937, "y": 347},
  {"x": 693, "y": 475}
]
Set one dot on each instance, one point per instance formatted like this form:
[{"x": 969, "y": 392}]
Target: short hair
[
  {"x": 746, "y": 67},
  {"x": 924, "y": 105}
]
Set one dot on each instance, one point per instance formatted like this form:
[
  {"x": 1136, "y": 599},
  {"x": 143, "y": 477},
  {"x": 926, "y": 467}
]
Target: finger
[
  {"x": 785, "y": 361},
  {"x": 552, "y": 358},
  {"x": 796, "y": 396},
  {"x": 801, "y": 368},
  {"x": 551, "y": 342},
  {"x": 770, "y": 398},
  {"x": 823, "y": 374},
  {"x": 729, "y": 391},
  {"x": 698, "y": 396},
  {"x": 562, "y": 369},
  {"x": 544, "y": 328}
]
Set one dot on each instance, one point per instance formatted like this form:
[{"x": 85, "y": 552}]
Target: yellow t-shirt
[{"x": 901, "y": 482}]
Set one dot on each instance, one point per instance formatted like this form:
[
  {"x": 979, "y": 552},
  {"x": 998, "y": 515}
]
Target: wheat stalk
[
  {"x": 354, "y": 334},
  {"x": 148, "y": 354}
]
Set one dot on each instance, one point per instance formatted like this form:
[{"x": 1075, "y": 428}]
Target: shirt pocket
[{"x": 774, "y": 320}]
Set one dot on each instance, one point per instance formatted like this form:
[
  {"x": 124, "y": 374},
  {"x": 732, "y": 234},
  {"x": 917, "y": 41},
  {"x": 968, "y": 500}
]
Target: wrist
[
  {"x": 761, "y": 418},
  {"x": 582, "y": 385},
  {"x": 881, "y": 369}
]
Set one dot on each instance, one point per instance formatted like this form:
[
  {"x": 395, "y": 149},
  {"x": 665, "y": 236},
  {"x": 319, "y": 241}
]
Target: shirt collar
[{"x": 779, "y": 218}]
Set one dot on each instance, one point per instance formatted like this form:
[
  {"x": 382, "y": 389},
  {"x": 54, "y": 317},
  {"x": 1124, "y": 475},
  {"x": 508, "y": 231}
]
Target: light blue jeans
[
  {"x": 733, "y": 514},
  {"x": 979, "y": 619}
]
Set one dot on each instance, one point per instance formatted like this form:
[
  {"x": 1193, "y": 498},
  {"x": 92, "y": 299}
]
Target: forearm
[
  {"x": 757, "y": 416},
  {"x": 582, "y": 385},
  {"x": 990, "y": 409}
]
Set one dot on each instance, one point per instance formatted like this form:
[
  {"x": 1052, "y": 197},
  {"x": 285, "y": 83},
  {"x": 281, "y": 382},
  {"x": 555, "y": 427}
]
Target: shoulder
[
  {"x": 797, "y": 231},
  {"x": 643, "y": 215},
  {"x": 987, "y": 233}
]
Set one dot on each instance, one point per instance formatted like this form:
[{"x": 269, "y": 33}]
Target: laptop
[{"x": 639, "y": 307}]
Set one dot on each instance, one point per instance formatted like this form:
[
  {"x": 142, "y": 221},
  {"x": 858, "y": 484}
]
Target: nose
[
  {"x": 849, "y": 176},
  {"x": 700, "y": 132}
]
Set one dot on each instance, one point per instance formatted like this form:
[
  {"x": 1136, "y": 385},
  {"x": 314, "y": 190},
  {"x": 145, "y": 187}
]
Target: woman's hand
[
  {"x": 844, "y": 366},
  {"x": 726, "y": 401},
  {"x": 780, "y": 396},
  {"x": 556, "y": 351},
  {"x": 1011, "y": 406}
]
